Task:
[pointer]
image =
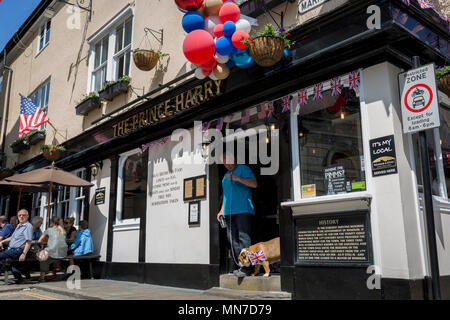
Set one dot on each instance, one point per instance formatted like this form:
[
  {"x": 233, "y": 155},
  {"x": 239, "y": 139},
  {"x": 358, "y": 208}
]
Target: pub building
[{"x": 343, "y": 213}]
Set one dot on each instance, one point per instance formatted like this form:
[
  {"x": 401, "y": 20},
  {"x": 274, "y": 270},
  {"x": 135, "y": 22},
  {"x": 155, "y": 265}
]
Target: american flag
[
  {"x": 262, "y": 112},
  {"x": 257, "y": 257},
  {"x": 354, "y": 79},
  {"x": 270, "y": 108},
  {"x": 425, "y": 4},
  {"x": 245, "y": 116},
  {"x": 318, "y": 92},
  {"x": 336, "y": 87},
  {"x": 286, "y": 103},
  {"x": 302, "y": 97},
  {"x": 31, "y": 117}
]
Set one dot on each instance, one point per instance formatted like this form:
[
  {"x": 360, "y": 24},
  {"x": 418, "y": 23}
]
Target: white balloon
[
  {"x": 243, "y": 24},
  {"x": 213, "y": 77},
  {"x": 210, "y": 23},
  {"x": 199, "y": 74},
  {"x": 222, "y": 59}
]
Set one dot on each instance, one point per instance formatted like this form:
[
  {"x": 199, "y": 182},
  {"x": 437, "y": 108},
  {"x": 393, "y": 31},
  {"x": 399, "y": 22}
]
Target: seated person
[
  {"x": 6, "y": 230},
  {"x": 83, "y": 244},
  {"x": 56, "y": 246},
  {"x": 71, "y": 232},
  {"x": 19, "y": 243}
]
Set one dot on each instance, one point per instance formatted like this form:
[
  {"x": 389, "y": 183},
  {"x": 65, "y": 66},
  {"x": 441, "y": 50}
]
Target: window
[
  {"x": 78, "y": 202},
  {"x": 134, "y": 181},
  {"x": 100, "y": 64},
  {"x": 330, "y": 144},
  {"x": 438, "y": 144},
  {"x": 40, "y": 98},
  {"x": 44, "y": 35},
  {"x": 1, "y": 83},
  {"x": 111, "y": 55}
]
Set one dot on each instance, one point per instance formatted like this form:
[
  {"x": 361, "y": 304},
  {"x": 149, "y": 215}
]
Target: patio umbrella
[
  {"x": 50, "y": 175},
  {"x": 20, "y": 187}
]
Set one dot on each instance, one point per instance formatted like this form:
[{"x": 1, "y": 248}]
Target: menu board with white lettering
[{"x": 338, "y": 239}]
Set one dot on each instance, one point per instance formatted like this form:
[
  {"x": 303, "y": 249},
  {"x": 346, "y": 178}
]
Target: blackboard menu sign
[
  {"x": 383, "y": 156},
  {"x": 100, "y": 196},
  {"x": 341, "y": 239},
  {"x": 335, "y": 179}
]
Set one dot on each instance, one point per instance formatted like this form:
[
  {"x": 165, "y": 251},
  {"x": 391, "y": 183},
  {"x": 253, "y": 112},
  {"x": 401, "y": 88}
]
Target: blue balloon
[
  {"x": 242, "y": 59},
  {"x": 229, "y": 28},
  {"x": 286, "y": 53},
  {"x": 230, "y": 63},
  {"x": 193, "y": 20},
  {"x": 224, "y": 46}
]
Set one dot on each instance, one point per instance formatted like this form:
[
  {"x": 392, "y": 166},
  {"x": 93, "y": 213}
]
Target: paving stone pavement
[{"x": 97, "y": 290}]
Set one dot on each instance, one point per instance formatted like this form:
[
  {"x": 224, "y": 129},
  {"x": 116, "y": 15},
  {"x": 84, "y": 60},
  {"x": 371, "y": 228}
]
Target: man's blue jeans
[
  {"x": 13, "y": 254},
  {"x": 239, "y": 228}
]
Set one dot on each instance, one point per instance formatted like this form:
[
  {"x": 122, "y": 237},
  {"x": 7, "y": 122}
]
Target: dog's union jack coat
[{"x": 257, "y": 257}]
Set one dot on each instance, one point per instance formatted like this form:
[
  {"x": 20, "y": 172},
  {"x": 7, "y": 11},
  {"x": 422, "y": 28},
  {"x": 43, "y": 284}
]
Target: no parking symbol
[{"x": 419, "y": 99}]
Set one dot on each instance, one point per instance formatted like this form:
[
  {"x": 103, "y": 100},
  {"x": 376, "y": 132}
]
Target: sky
[{"x": 13, "y": 14}]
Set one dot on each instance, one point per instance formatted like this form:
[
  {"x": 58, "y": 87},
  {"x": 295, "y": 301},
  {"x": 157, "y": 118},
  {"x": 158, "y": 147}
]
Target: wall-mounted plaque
[
  {"x": 194, "y": 188},
  {"x": 341, "y": 239},
  {"x": 383, "y": 156},
  {"x": 100, "y": 196},
  {"x": 194, "y": 213}
]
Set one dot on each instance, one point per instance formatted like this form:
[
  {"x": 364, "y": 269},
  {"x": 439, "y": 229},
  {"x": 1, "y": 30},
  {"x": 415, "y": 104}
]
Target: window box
[
  {"x": 20, "y": 147},
  {"x": 114, "y": 90},
  {"x": 36, "y": 137},
  {"x": 84, "y": 107}
]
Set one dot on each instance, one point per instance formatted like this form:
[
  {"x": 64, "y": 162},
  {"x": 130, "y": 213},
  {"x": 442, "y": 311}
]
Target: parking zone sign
[{"x": 419, "y": 99}]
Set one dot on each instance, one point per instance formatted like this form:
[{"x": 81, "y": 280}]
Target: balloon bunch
[{"x": 215, "y": 37}]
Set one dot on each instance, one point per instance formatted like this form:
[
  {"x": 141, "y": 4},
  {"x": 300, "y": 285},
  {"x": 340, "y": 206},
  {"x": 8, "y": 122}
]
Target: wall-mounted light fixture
[{"x": 95, "y": 167}]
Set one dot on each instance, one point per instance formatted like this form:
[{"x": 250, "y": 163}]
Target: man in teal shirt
[{"x": 237, "y": 207}]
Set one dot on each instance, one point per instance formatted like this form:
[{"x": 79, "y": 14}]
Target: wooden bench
[{"x": 8, "y": 263}]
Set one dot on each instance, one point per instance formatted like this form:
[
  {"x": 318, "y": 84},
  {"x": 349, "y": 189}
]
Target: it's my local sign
[
  {"x": 419, "y": 99},
  {"x": 306, "y": 5}
]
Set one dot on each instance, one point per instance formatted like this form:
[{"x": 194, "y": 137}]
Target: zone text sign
[{"x": 419, "y": 99}]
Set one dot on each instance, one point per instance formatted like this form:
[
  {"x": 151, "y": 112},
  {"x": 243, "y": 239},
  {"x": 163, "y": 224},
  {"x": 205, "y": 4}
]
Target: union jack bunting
[
  {"x": 354, "y": 79},
  {"x": 145, "y": 147},
  {"x": 318, "y": 92},
  {"x": 286, "y": 103},
  {"x": 245, "y": 116},
  {"x": 163, "y": 141},
  {"x": 336, "y": 86},
  {"x": 261, "y": 110},
  {"x": 270, "y": 108},
  {"x": 206, "y": 126},
  {"x": 31, "y": 116},
  {"x": 219, "y": 124},
  {"x": 425, "y": 4},
  {"x": 257, "y": 257},
  {"x": 407, "y": 2},
  {"x": 302, "y": 97}
]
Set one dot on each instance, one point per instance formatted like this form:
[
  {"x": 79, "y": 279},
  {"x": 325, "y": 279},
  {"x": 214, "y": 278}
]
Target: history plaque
[{"x": 337, "y": 239}]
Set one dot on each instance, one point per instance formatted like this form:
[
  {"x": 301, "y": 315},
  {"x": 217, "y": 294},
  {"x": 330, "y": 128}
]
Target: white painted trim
[
  {"x": 365, "y": 133},
  {"x": 119, "y": 221},
  {"x": 344, "y": 197},
  {"x": 295, "y": 151},
  {"x": 116, "y": 20}
]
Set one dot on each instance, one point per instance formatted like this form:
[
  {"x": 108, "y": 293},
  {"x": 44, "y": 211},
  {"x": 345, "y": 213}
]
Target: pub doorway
[{"x": 272, "y": 188}]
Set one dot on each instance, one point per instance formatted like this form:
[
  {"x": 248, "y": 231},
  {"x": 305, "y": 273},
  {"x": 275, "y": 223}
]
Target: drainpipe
[{"x": 8, "y": 98}]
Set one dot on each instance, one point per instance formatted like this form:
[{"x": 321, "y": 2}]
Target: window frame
[
  {"x": 45, "y": 95},
  {"x": 124, "y": 224},
  {"x": 110, "y": 31},
  {"x": 46, "y": 26},
  {"x": 295, "y": 150}
]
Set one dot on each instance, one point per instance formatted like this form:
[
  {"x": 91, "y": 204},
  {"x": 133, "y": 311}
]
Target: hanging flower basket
[
  {"x": 145, "y": 60},
  {"x": 51, "y": 152},
  {"x": 444, "y": 84},
  {"x": 267, "y": 51}
]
